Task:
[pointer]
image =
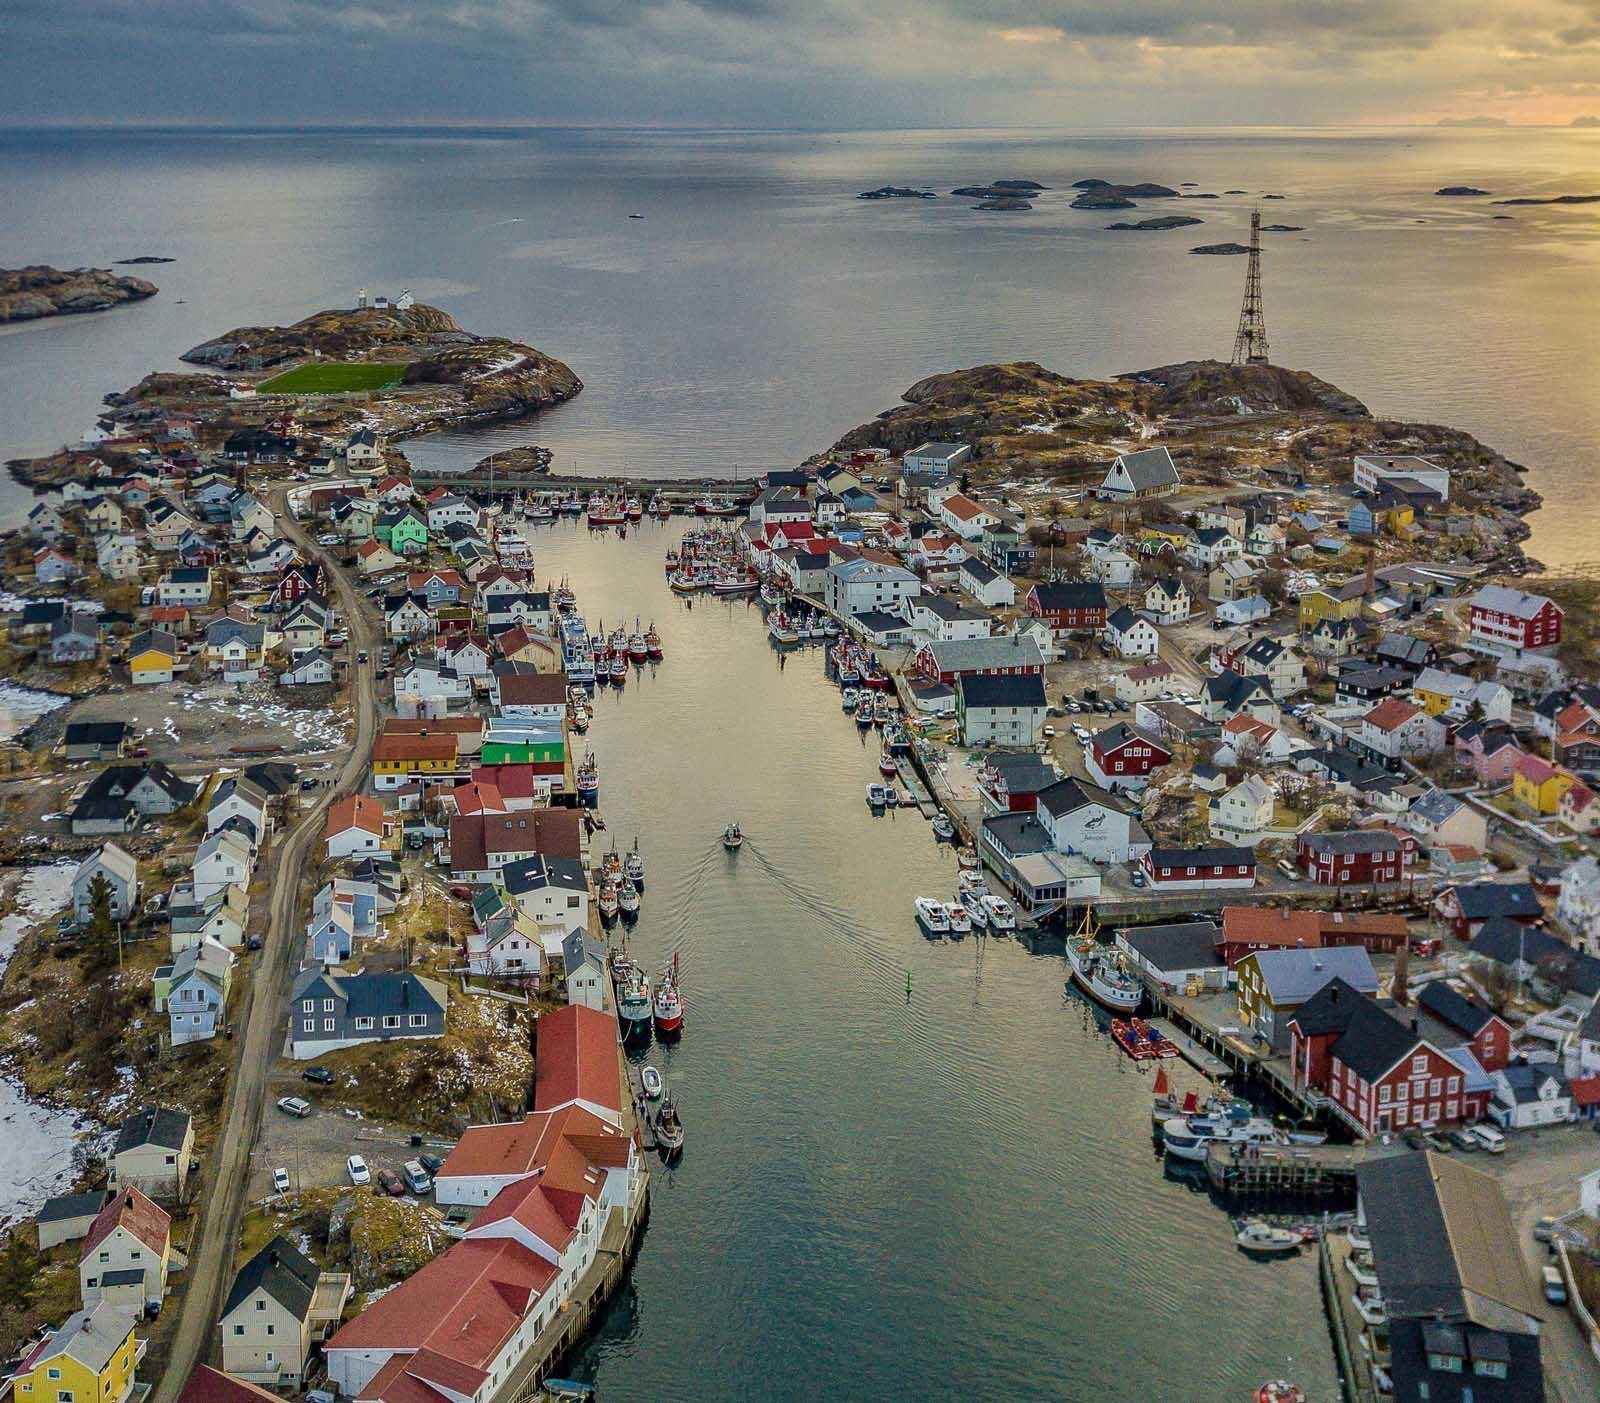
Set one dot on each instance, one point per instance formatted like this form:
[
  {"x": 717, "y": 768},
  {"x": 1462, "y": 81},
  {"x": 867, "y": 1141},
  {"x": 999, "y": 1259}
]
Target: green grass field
[{"x": 332, "y": 378}]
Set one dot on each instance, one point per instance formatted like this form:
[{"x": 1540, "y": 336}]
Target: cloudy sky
[{"x": 815, "y": 63}]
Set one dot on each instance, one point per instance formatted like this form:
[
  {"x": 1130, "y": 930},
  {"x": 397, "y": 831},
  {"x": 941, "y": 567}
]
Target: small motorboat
[
  {"x": 732, "y": 838},
  {"x": 886, "y": 764},
  {"x": 610, "y": 902},
  {"x": 1280, "y": 1391},
  {"x": 848, "y": 699},
  {"x": 1257, "y": 1235},
  {"x": 1001, "y": 916},
  {"x": 650, "y": 1079},
  {"x": 932, "y": 916},
  {"x": 864, "y": 715},
  {"x": 972, "y": 904},
  {"x": 943, "y": 829},
  {"x": 891, "y": 796},
  {"x": 959, "y": 919},
  {"x": 669, "y": 1128},
  {"x": 967, "y": 859},
  {"x": 877, "y": 796}
]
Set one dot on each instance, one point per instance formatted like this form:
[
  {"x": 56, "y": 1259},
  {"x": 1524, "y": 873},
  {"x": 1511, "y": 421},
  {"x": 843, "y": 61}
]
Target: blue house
[{"x": 1361, "y": 520}]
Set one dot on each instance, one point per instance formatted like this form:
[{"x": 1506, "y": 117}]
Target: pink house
[{"x": 1488, "y": 750}]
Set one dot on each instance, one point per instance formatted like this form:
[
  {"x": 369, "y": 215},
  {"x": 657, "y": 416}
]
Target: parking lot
[{"x": 314, "y": 1148}]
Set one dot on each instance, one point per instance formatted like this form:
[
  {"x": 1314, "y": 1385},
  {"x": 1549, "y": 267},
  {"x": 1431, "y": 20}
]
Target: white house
[
  {"x": 1148, "y": 473},
  {"x": 1277, "y": 662},
  {"x": 312, "y": 668},
  {"x": 1131, "y": 635},
  {"x": 1166, "y": 601},
  {"x": 966, "y": 518},
  {"x": 551, "y": 891},
  {"x": 1371, "y": 471},
  {"x": 1394, "y": 729},
  {"x": 355, "y": 827},
  {"x": 1248, "y": 610},
  {"x": 987, "y": 587},
  {"x": 1000, "y": 709},
  {"x": 864, "y": 586},
  {"x": 222, "y": 859},
  {"x": 1578, "y": 904},
  {"x": 1082, "y": 819},
  {"x": 119, "y": 870},
  {"x": 1530, "y": 1094},
  {"x": 1244, "y": 813},
  {"x": 1112, "y": 567},
  {"x": 1146, "y": 682},
  {"x": 935, "y": 458}
]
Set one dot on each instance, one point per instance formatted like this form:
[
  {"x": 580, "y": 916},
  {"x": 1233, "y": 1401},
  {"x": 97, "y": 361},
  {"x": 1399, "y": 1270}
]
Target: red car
[
  {"x": 391, "y": 1183},
  {"x": 461, "y": 893}
]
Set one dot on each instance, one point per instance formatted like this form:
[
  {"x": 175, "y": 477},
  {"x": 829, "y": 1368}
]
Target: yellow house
[
  {"x": 1401, "y": 519},
  {"x": 1331, "y": 602},
  {"x": 400, "y": 757},
  {"x": 1152, "y": 538},
  {"x": 90, "y": 1359},
  {"x": 152, "y": 658},
  {"x": 1538, "y": 785}
]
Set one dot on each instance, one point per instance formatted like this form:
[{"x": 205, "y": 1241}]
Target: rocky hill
[
  {"x": 339, "y": 334},
  {"x": 27, "y": 294}
]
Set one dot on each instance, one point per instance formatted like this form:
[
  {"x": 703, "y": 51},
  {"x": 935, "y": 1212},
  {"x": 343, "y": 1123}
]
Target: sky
[{"x": 798, "y": 63}]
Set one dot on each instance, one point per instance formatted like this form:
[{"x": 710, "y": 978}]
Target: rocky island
[
  {"x": 1001, "y": 190},
  {"x": 398, "y": 370},
  {"x": 1102, "y": 194},
  {"x": 1164, "y": 221},
  {"x": 897, "y": 192},
  {"x": 26, "y": 294},
  {"x": 1222, "y": 250},
  {"x": 509, "y": 462},
  {"x": 1552, "y": 200},
  {"x": 1227, "y": 424},
  {"x": 1460, "y": 191},
  {"x": 1003, "y": 202}
]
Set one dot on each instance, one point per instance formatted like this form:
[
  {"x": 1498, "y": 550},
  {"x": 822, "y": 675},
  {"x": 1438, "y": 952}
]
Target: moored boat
[
  {"x": 619, "y": 669},
  {"x": 958, "y": 918},
  {"x": 1280, "y": 1391},
  {"x": 635, "y": 1006},
  {"x": 877, "y": 796},
  {"x": 628, "y": 898},
  {"x": 891, "y": 797},
  {"x": 1256, "y": 1235},
  {"x": 781, "y": 630},
  {"x": 669, "y": 1128},
  {"x": 609, "y": 901},
  {"x": 932, "y": 916},
  {"x": 587, "y": 778},
  {"x": 1097, "y": 975},
  {"x": 972, "y": 903},
  {"x": 1001, "y": 916},
  {"x": 669, "y": 1006},
  {"x": 943, "y": 828},
  {"x": 886, "y": 764},
  {"x": 652, "y": 644},
  {"x": 633, "y": 865},
  {"x": 650, "y": 1080}
]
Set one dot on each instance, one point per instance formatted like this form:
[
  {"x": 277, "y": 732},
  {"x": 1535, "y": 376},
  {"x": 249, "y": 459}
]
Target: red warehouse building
[
  {"x": 1362, "y": 856},
  {"x": 1069, "y": 608}
]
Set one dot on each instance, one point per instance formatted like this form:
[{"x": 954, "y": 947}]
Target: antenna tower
[{"x": 1250, "y": 341}]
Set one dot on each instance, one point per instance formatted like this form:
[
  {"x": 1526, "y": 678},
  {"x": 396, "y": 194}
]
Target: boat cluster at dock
[{"x": 710, "y": 560}]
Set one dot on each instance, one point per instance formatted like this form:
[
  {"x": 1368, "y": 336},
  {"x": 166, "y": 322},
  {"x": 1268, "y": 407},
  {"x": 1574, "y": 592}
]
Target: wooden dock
[
  {"x": 912, "y": 786},
  {"x": 1191, "y": 1051},
  {"x": 1356, "y": 1380},
  {"x": 1285, "y": 1171}
]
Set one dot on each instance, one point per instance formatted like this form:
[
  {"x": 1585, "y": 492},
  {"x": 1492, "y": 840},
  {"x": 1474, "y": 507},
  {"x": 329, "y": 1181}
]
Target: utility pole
[{"x": 1250, "y": 341}]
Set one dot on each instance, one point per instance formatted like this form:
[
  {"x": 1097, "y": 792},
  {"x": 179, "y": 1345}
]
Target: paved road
[{"x": 210, "y": 1270}]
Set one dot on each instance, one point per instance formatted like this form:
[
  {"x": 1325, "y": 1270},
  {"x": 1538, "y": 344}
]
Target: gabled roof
[
  {"x": 137, "y": 1215},
  {"x": 281, "y": 1270},
  {"x": 154, "y": 1125},
  {"x": 1069, "y": 795},
  {"x": 1024, "y": 689},
  {"x": 1502, "y": 600},
  {"x": 1443, "y": 1244},
  {"x": 1203, "y": 857},
  {"x": 576, "y": 1059},
  {"x": 1150, "y": 467},
  {"x": 1482, "y": 900},
  {"x": 91, "y": 1336},
  {"x": 1293, "y": 976},
  {"x": 1270, "y": 926},
  {"x": 976, "y": 654},
  {"x": 1070, "y": 594}
]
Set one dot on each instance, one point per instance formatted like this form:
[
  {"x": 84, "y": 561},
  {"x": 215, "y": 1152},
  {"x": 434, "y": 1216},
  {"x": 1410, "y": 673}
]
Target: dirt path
[{"x": 211, "y": 1253}]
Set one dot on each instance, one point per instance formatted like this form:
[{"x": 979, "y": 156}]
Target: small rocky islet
[
  {"x": 27, "y": 294},
  {"x": 1164, "y": 221}
]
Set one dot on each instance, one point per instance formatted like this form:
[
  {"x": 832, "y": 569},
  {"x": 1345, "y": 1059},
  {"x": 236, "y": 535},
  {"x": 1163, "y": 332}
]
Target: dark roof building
[{"x": 1003, "y": 689}]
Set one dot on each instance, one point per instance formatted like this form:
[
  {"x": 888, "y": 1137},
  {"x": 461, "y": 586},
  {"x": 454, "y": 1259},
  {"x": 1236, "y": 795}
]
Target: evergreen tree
[
  {"x": 19, "y": 1269},
  {"x": 101, "y": 944}
]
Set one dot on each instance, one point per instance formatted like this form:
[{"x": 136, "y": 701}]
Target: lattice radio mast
[{"x": 1250, "y": 341}]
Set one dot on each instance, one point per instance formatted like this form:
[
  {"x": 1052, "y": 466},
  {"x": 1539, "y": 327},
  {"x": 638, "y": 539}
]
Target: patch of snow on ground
[
  {"x": 39, "y": 892},
  {"x": 20, "y": 707}
]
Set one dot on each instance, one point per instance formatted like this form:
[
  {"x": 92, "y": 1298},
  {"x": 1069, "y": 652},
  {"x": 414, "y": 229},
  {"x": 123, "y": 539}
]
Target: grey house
[
  {"x": 69, "y": 1218},
  {"x": 94, "y": 740},
  {"x": 196, "y": 996},
  {"x": 330, "y": 1010},
  {"x": 74, "y": 638},
  {"x": 119, "y": 869},
  {"x": 153, "y": 789}
]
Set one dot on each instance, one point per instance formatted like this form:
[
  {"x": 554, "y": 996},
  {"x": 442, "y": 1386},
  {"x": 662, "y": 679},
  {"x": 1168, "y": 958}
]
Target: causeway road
[{"x": 227, "y": 1176}]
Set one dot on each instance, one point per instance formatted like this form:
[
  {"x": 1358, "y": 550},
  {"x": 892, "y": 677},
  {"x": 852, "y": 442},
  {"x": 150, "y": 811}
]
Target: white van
[
  {"x": 1555, "y": 1288},
  {"x": 1490, "y": 1138}
]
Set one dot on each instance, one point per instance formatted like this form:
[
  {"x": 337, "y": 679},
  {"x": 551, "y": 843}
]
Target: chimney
[
  {"x": 1333, "y": 992},
  {"x": 1402, "y": 974},
  {"x": 1414, "y": 1028},
  {"x": 1372, "y": 585}
]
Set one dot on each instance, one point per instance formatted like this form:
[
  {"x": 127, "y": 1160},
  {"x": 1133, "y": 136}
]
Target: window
[
  {"x": 327, "y": 1005},
  {"x": 238, "y": 1329},
  {"x": 1455, "y": 1085},
  {"x": 309, "y": 1026},
  {"x": 327, "y": 1025},
  {"x": 1488, "y": 1369},
  {"x": 363, "y": 1023},
  {"x": 54, "y": 1373},
  {"x": 1419, "y": 1066},
  {"x": 271, "y": 1328},
  {"x": 104, "y": 1258},
  {"x": 1435, "y": 1086},
  {"x": 261, "y": 1305},
  {"x": 391, "y": 1020},
  {"x": 419, "y": 1020},
  {"x": 1445, "y": 1363}
]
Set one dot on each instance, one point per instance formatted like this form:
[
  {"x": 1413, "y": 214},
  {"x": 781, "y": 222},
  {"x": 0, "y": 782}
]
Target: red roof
[
  {"x": 474, "y": 837},
  {"x": 513, "y": 640},
  {"x": 1535, "y": 770},
  {"x": 534, "y": 689},
  {"x": 1261, "y": 925},
  {"x": 527, "y": 1202},
  {"x": 516, "y": 1148},
  {"x": 208, "y": 1385},
  {"x": 964, "y": 508},
  {"x": 416, "y": 745},
  {"x": 478, "y": 798},
  {"x": 575, "y": 1059},
  {"x": 1390, "y": 714},
  {"x": 358, "y": 811},
  {"x": 513, "y": 781},
  {"x": 465, "y": 1304},
  {"x": 130, "y": 1209},
  {"x": 1585, "y": 1091}
]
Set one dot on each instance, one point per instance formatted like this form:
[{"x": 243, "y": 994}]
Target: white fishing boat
[
  {"x": 891, "y": 796},
  {"x": 943, "y": 828},
  {"x": 633, "y": 865},
  {"x": 932, "y": 916},
  {"x": 609, "y": 901},
  {"x": 1189, "y": 1137},
  {"x": 848, "y": 698},
  {"x": 628, "y": 898},
  {"x": 877, "y": 796},
  {"x": 1097, "y": 974},
  {"x": 1001, "y": 916},
  {"x": 781, "y": 630},
  {"x": 1269, "y": 1241}
]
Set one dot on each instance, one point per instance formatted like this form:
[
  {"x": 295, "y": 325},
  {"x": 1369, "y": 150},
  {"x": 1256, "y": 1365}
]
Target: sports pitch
[{"x": 333, "y": 378}]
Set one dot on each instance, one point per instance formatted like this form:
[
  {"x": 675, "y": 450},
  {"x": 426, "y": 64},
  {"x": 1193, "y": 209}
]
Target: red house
[
  {"x": 1377, "y": 933},
  {"x": 1069, "y": 608},
  {"x": 1120, "y": 758},
  {"x": 1487, "y": 1034},
  {"x": 1376, "y": 1069},
  {"x": 296, "y": 582},
  {"x": 1362, "y": 856},
  {"x": 1199, "y": 869},
  {"x": 1511, "y": 620},
  {"x": 1001, "y": 655},
  {"x": 1247, "y": 928}
]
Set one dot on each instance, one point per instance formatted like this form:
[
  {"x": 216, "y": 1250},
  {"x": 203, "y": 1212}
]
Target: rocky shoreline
[
  {"x": 28, "y": 294},
  {"x": 451, "y": 378}
]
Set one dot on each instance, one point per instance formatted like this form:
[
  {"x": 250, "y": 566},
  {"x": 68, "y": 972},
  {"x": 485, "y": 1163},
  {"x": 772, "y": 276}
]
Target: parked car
[
  {"x": 432, "y": 1163},
  {"x": 361, "y": 656},
  {"x": 1464, "y": 1140},
  {"x": 294, "y": 1106},
  {"x": 417, "y": 1178},
  {"x": 1555, "y": 1288},
  {"x": 1414, "y": 1138},
  {"x": 321, "y": 1075},
  {"x": 391, "y": 1183},
  {"x": 460, "y": 892},
  {"x": 1437, "y": 1142},
  {"x": 1049, "y": 732},
  {"x": 280, "y": 1181},
  {"x": 356, "y": 1168}
]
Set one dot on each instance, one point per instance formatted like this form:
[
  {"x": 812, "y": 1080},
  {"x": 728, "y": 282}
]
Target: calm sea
[{"x": 758, "y": 310}]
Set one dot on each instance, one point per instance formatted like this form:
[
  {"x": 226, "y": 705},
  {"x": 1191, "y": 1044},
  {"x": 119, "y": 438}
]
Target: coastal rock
[
  {"x": 1274, "y": 197},
  {"x": 1165, "y": 221},
  {"x": 1101, "y": 194},
  {"x": 897, "y": 192},
  {"x": 1460, "y": 190},
  {"x": 1103, "y": 199},
  {"x": 1235, "y": 192},
  {"x": 144, "y": 258},
  {"x": 1005, "y": 203},
  {"x": 1222, "y": 249},
  {"x": 1202, "y": 195},
  {"x": 1213, "y": 387},
  {"x": 529, "y": 458},
  {"x": 1283, "y": 228},
  {"x": 338, "y": 334},
  {"x": 1552, "y": 200},
  {"x": 1000, "y": 189},
  {"x": 26, "y": 294}
]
